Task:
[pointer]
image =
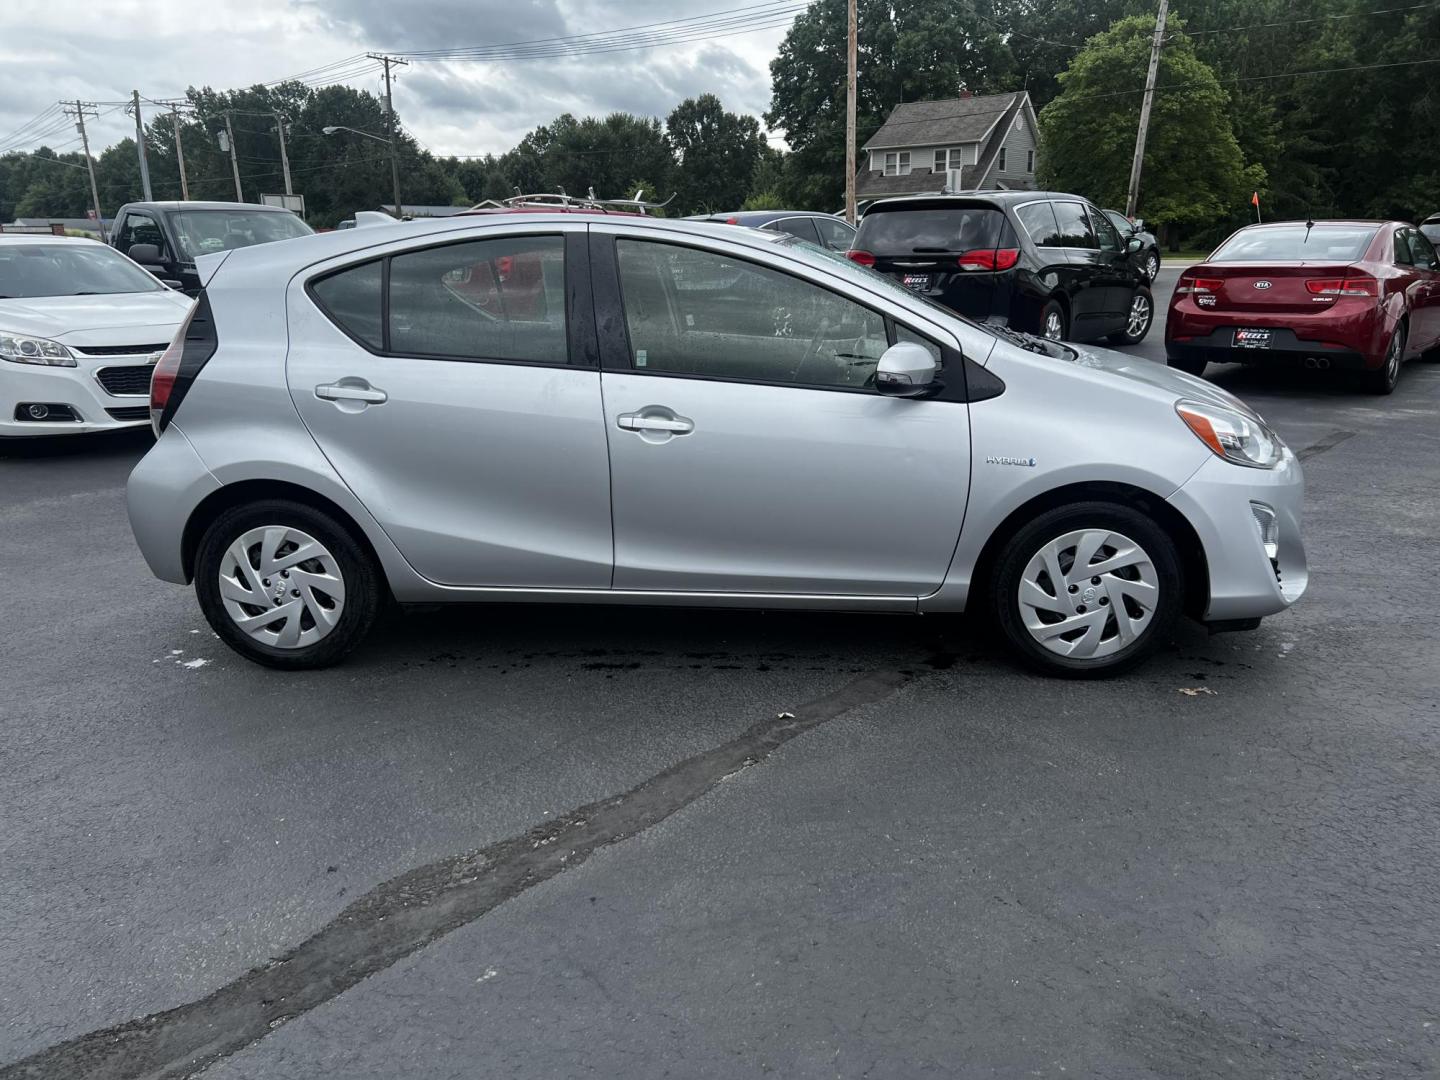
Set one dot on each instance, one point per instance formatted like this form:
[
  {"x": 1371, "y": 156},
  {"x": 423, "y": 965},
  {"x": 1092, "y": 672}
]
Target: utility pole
[
  {"x": 394, "y": 131},
  {"x": 140, "y": 145},
  {"x": 1133, "y": 201},
  {"x": 284, "y": 157},
  {"x": 179, "y": 152},
  {"x": 234, "y": 159},
  {"x": 80, "y": 110},
  {"x": 850, "y": 35}
]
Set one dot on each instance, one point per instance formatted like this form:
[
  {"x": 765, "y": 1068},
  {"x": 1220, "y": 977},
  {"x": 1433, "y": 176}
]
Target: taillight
[
  {"x": 732, "y": 221},
  {"x": 989, "y": 259},
  {"x": 162, "y": 379},
  {"x": 864, "y": 258},
  {"x": 1356, "y": 286},
  {"x": 1200, "y": 285},
  {"x": 191, "y": 349}
]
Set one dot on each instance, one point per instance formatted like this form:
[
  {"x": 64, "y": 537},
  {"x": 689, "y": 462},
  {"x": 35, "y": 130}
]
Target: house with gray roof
[{"x": 972, "y": 143}]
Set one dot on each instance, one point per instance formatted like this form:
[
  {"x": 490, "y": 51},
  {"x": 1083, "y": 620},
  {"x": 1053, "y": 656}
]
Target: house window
[
  {"x": 952, "y": 158},
  {"x": 1029, "y": 160},
  {"x": 940, "y": 156},
  {"x": 1000, "y": 164},
  {"x": 897, "y": 163}
]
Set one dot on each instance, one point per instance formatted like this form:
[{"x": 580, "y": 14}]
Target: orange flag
[{"x": 1255, "y": 199}]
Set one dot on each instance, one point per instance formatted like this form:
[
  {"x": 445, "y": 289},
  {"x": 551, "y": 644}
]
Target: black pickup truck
[{"x": 167, "y": 237}]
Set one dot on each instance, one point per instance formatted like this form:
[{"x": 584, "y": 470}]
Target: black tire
[
  {"x": 1151, "y": 265},
  {"x": 1126, "y": 337},
  {"x": 1187, "y": 364},
  {"x": 1020, "y": 549},
  {"x": 1386, "y": 377},
  {"x": 364, "y": 589},
  {"x": 1051, "y": 316}
]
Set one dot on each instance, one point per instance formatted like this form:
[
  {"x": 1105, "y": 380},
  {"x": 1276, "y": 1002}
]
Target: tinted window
[
  {"x": 750, "y": 322},
  {"x": 834, "y": 233},
  {"x": 500, "y": 299},
  {"x": 1105, "y": 233},
  {"x": 929, "y": 229},
  {"x": 1423, "y": 251},
  {"x": 1074, "y": 225},
  {"x": 69, "y": 270},
  {"x": 1121, "y": 223},
  {"x": 200, "y": 232},
  {"x": 797, "y": 226},
  {"x": 1295, "y": 243},
  {"x": 352, "y": 299},
  {"x": 1402, "y": 248},
  {"x": 1039, "y": 221},
  {"x": 141, "y": 229}
]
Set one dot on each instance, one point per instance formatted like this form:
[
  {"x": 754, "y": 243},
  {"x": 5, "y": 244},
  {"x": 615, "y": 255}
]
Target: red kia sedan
[{"x": 1361, "y": 296}]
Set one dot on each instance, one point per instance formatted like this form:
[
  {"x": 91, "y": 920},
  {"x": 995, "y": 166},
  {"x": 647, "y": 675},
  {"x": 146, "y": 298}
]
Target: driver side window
[
  {"x": 141, "y": 229},
  {"x": 702, "y": 313}
]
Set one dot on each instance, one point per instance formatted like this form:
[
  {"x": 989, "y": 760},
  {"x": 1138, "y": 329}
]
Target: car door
[
  {"x": 751, "y": 455},
  {"x": 1118, "y": 271},
  {"x": 454, "y": 387},
  {"x": 139, "y": 227},
  {"x": 1090, "y": 314},
  {"x": 1425, "y": 298}
]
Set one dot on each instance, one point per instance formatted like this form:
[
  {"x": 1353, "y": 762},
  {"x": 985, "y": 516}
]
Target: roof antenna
[{"x": 1309, "y": 224}]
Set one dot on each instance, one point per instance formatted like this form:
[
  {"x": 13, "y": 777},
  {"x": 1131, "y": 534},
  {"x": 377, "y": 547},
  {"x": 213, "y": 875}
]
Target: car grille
[
  {"x": 120, "y": 350},
  {"x": 131, "y": 412},
  {"x": 126, "y": 381}
]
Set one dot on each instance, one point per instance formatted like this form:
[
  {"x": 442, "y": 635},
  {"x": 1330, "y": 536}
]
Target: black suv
[
  {"x": 1038, "y": 261},
  {"x": 166, "y": 237}
]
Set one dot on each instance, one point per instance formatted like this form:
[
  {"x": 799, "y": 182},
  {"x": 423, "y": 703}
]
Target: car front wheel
[
  {"x": 1087, "y": 590},
  {"x": 286, "y": 585},
  {"x": 1138, "y": 318},
  {"x": 1152, "y": 265}
]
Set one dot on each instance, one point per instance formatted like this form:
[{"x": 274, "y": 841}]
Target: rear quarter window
[
  {"x": 352, "y": 300},
  {"x": 1296, "y": 243},
  {"x": 930, "y": 229}
]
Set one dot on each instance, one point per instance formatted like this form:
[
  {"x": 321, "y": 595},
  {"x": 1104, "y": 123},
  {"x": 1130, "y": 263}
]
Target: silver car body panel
[{"x": 747, "y": 510}]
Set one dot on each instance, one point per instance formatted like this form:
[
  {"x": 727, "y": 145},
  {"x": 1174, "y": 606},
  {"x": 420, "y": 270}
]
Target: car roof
[
  {"x": 598, "y": 211},
  {"x": 1000, "y": 195},
  {"x": 45, "y": 238},
  {"x": 200, "y": 205},
  {"x": 746, "y": 217}
]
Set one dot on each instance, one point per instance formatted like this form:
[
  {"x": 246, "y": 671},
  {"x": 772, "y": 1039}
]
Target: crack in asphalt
[
  {"x": 408, "y": 912},
  {"x": 1329, "y": 442}
]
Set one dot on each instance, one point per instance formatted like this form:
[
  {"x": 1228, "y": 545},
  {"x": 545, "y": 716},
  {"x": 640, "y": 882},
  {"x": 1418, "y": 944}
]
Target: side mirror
[
  {"x": 145, "y": 254},
  {"x": 905, "y": 370},
  {"x": 171, "y": 283},
  {"x": 1134, "y": 244}
]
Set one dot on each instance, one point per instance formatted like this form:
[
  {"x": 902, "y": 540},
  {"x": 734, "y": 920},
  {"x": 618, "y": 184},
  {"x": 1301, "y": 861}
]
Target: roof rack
[{"x": 560, "y": 200}]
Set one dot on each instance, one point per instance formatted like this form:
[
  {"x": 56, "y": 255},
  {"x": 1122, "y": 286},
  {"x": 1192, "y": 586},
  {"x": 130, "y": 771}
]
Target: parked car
[
  {"x": 827, "y": 230},
  {"x": 1149, "y": 253},
  {"x": 1361, "y": 296},
  {"x": 1431, "y": 228},
  {"x": 1045, "y": 263},
  {"x": 642, "y": 411},
  {"x": 167, "y": 237},
  {"x": 81, "y": 327}
]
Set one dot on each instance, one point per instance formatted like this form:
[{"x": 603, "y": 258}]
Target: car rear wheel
[
  {"x": 286, "y": 585},
  {"x": 1087, "y": 590},
  {"x": 1383, "y": 379},
  {"x": 1137, "y": 319},
  {"x": 1052, "y": 321}
]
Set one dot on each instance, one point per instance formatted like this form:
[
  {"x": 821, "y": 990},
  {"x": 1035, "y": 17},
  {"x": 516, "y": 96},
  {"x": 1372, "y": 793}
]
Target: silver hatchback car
[{"x": 624, "y": 410}]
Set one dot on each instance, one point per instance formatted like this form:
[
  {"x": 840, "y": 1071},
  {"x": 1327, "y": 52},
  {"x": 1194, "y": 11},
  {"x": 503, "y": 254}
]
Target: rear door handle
[
  {"x": 352, "y": 390},
  {"x": 655, "y": 421}
]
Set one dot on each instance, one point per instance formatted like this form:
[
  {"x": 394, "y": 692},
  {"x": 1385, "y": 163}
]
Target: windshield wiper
[{"x": 1032, "y": 342}]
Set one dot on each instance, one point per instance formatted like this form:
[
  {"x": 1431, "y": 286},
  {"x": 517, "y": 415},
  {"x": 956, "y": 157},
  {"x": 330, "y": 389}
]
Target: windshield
[
  {"x": 929, "y": 229},
  {"x": 89, "y": 269},
  {"x": 1297, "y": 243},
  {"x": 203, "y": 232}
]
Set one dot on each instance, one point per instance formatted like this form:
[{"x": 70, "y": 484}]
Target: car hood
[
  {"x": 62, "y": 317},
  {"x": 1137, "y": 370}
]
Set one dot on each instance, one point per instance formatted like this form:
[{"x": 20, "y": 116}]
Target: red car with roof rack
[{"x": 1362, "y": 296}]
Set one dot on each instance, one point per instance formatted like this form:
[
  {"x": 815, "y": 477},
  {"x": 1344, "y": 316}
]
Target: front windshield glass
[
  {"x": 86, "y": 269},
  {"x": 204, "y": 232}
]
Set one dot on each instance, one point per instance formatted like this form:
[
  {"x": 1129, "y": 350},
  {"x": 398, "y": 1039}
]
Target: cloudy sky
[{"x": 59, "y": 49}]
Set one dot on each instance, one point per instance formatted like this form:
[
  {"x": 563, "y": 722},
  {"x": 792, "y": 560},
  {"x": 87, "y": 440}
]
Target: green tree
[
  {"x": 1194, "y": 171},
  {"x": 717, "y": 153}
]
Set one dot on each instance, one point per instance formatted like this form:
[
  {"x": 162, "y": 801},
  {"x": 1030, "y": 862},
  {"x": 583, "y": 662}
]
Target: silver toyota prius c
[{"x": 618, "y": 409}]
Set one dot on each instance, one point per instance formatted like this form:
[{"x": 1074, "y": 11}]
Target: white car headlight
[
  {"x": 1232, "y": 435},
  {"x": 21, "y": 349}
]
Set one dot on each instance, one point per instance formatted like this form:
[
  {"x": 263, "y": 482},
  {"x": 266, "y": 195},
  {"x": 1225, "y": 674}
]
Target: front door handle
[
  {"x": 351, "y": 389},
  {"x": 661, "y": 421}
]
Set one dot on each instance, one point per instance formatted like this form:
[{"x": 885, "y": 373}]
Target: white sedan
[{"x": 81, "y": 327}]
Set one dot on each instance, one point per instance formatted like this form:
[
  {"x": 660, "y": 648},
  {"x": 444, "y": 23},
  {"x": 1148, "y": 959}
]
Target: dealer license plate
[
  {"x": 918, "y": 282},
  {"x": 1252, "y": 339}
]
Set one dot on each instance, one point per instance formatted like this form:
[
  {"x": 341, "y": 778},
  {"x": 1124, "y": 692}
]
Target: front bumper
[
  {"x": 78, "y": 390},
  {"x": 1244, "y": 583}
]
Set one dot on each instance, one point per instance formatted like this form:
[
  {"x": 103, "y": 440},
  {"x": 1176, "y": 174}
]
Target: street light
[{"x": 331, "y": 129}]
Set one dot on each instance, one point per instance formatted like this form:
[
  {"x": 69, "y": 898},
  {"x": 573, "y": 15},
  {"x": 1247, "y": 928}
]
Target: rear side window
[
  {"x": 352, "y": 300},
  {"x": 835, "y": 234},
  {"x": 930, "y": 230},
  {"x": 1402, "y": 248},
  {"x": 1039, "y": 221},
  {"x": 1074, "y": 225},
  {"x": 797, "y": 226},
  {"x": 1296, "y": 243}
]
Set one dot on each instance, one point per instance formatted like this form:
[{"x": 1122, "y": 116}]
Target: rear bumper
[
  {"x": 163, "y": 491},
  {"x": 1350, "y": 334},
  {"x": 1244, "y": 583},
  {"x": 1286, "y": 350}
]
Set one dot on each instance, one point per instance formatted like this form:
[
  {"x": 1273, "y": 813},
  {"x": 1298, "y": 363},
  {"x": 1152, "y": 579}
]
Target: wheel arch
[{"x": 1193, "y": 564}]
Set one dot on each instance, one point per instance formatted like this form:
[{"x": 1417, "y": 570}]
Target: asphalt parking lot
[{"x": 570, "y": 842}]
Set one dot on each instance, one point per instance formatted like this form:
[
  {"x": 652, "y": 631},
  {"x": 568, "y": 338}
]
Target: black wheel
[
  {"x": 1151, "y": 265},
  {"x": 1052, "y": 321},
  {"x": 1138, "y": 319},
  {"x": 286, "y": 585},
  {"x": 1188, "y": 364},
  {"x": 1384, "y": 378},
  {"x": 1087, "y": 590}
]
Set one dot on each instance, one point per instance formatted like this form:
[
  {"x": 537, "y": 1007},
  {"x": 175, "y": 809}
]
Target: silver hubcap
[
  {"x": 282, "y": 587},
  {"x": 1053, "y": 326},
  {"x": 1139, "y": 316},
  {"x": 1152, "y": 267},
  {"x": 1392, "y": 359},
  {"x": 1088, "y": 594}
]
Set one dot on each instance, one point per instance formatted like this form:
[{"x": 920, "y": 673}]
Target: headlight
[
  {"x": 1233, "y": 435},
  {"x": 19, "y": 349}
]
